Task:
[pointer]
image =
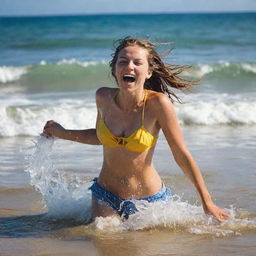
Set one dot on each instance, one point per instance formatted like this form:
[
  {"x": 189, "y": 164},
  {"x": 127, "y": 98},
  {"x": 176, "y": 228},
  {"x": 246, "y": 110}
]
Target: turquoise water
[
  {"x": 50, "y": 68},
  {"x": 207, "y": 38}
]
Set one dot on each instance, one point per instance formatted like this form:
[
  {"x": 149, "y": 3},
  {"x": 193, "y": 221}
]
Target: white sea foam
[
  {"x": 249, "y": 67},
  {"x": 201, "y": 70},
  {"x": 217, "y": 113},
  {"x": 42, "y": 63},
  {"x": 24, "y": 117},
  {"x": 10, "y": 74},
  {"x": 224, "y": 63},
  {"x": 30, "y": 120},
  {"x": 75, "y": 61},
  {"x": 177, "y": 215}
]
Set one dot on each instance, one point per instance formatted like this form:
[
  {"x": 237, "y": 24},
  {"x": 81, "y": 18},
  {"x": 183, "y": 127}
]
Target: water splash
[
  {"x": 65, "y": 196},
  {"x": 177, "y": 216}
]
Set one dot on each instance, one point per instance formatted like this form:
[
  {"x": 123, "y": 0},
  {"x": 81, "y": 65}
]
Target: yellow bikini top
[{"x": 138, "y": 141}]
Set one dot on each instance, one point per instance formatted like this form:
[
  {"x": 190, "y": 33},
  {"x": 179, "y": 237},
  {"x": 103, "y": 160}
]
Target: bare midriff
[{"x": 129, "y": 174}]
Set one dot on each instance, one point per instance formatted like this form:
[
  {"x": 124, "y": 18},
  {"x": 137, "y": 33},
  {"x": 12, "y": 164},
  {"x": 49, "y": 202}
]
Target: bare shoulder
[
  {"x": 158, "y": 101},
  {"x": 104, "y": 94},
  {"x": 164, "y": 112},
  {"x": 104, "y": 91}
]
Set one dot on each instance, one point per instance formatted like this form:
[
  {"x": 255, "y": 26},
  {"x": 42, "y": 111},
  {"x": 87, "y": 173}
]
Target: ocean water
[{"x": 50, "y": 68}]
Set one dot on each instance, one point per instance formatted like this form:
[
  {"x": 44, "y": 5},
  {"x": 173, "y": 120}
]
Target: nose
[{"x": 130, "y": 65}]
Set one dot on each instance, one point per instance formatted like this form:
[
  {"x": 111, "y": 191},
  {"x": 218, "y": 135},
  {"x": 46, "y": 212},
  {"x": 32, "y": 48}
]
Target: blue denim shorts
[{"x": 125, "y": 207}]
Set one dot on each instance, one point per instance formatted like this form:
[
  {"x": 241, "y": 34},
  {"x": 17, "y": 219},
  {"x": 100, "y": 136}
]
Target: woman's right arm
[{"x": 87, "y": 136}]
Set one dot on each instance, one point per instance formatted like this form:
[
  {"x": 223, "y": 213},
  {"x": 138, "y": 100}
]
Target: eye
[
  {"x": 138, "y": 63},
  {"x": 122, "y": 62}
]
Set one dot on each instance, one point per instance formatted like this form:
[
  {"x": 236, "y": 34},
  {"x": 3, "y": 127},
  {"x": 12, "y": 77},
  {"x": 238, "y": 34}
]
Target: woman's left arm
[{"x": 166, "y": 117}]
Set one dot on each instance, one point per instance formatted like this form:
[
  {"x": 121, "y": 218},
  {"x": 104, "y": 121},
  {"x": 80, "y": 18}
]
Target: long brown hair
[{"x": 164, "y": 76}]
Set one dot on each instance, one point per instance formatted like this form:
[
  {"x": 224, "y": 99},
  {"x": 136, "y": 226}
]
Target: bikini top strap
[{"x": 143, "y": 110}]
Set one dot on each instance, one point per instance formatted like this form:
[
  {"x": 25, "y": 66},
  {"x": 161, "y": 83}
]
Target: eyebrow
[{"x": 123, "y": 57}]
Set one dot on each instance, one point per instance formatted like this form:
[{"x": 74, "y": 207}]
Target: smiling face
[{"x": 132, "y": 68}]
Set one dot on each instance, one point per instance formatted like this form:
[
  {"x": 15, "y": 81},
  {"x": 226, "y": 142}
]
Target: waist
[{"x": 132, "y": 184}]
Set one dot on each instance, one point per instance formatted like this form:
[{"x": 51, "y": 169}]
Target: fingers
[
  {"x": 221, "y": 216},
  {"x": 224, "y": 216},
  {"x": 218, "y": 213},
  {"x": 49, "y": 124},
  {"x": 46, "y": 131}
]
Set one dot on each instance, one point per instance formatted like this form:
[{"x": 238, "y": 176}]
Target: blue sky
[{"x": 49, "y": 7}]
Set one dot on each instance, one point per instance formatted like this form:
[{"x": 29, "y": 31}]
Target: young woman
[{"x": 128, "y": 123}]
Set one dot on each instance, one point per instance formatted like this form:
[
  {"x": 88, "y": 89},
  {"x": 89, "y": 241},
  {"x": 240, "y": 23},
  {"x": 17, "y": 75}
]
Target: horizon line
[{"x": 126, "y": 13}]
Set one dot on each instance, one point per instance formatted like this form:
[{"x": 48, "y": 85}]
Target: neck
[{"x": 128, "y": 101}]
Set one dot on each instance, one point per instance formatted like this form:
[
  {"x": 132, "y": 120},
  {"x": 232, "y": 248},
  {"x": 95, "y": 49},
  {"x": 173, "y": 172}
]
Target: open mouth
[{"x": 128, "y": 78}]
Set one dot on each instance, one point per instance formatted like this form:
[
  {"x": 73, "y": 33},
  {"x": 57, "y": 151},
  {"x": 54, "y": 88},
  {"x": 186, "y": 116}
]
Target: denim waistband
[{"x": 125, "y": 207}]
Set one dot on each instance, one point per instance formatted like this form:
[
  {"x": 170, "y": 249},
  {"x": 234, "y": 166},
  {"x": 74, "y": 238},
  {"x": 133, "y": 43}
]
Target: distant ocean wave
[
  {"x": 68, "y": 74},
  {"x": 10, "y": 74},
  {"x": 224, "y": 68},
  {"x": 28, "y": 119}
]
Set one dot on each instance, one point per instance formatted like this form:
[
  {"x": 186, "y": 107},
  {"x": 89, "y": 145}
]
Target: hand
[
  {"x": 214, "y": 210},
  {"x": 53, "y": 129}
]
